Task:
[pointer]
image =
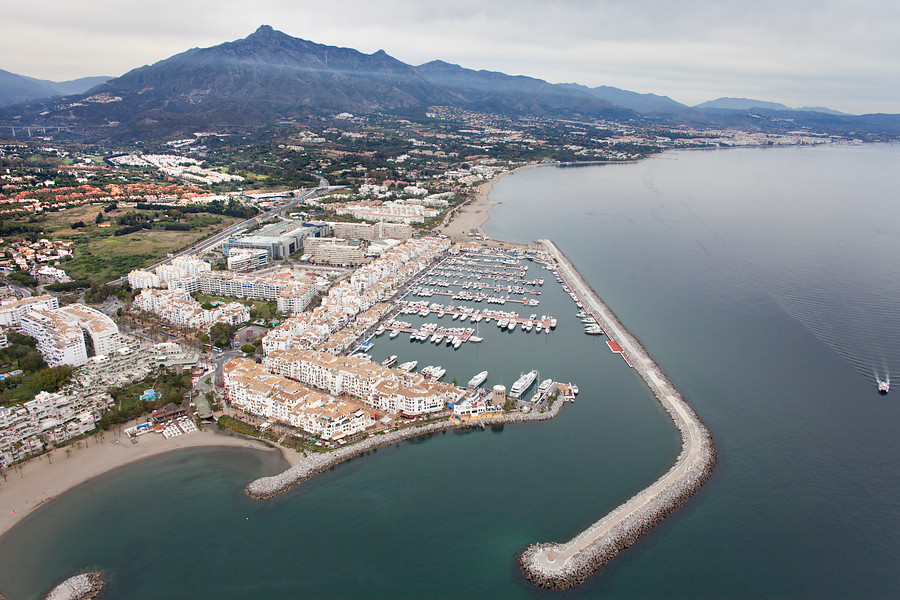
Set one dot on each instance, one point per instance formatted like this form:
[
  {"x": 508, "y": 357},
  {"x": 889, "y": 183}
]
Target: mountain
[
  {"x": 269, "y": 76},
  {"x": 490, "y": 91},
  {"x": 639, "y": 103},
  {"x": 264, "y": 76},
  {"x": 18, "y": 88},
  {"x": 741, "y": 104},
  {"x": 821, "y": 109}
]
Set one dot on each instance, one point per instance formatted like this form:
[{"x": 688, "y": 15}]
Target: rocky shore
[
  {"x": 79, "y": 587},
  {"x": 563, "y": 565},
  {"x": 312, "y": 465}
]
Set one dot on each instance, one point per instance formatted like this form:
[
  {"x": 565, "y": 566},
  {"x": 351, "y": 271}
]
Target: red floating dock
[{"x": 614, "y": 346}]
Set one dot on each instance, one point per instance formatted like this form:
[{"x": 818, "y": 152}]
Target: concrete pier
[{"x": 563, "y": 565}]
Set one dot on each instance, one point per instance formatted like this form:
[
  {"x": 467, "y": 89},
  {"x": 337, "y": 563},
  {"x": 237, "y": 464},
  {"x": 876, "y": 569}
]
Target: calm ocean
[{"x": 763, "y": 281}]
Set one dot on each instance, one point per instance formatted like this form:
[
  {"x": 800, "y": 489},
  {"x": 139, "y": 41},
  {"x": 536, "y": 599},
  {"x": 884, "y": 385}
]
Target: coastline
[
  {"x": 40, "y": 480},
  {"x": 475, "y": 213}
]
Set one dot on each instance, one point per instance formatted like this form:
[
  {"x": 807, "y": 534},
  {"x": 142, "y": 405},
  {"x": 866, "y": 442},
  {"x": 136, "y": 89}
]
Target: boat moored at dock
[
  {"x": 525, "y": 381},
  {"x": 477, "y": 380}
]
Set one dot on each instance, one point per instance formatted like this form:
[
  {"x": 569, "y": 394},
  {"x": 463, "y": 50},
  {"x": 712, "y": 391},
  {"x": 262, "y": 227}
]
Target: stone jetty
[
  {"x": 563, "y": 565},
  {"x": 313, "y": 464},
  {"x": 79, "y": 587}
]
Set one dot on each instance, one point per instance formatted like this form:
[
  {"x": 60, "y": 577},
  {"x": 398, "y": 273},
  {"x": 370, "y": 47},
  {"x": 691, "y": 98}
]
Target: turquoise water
[{"x": 743, "y": 272}]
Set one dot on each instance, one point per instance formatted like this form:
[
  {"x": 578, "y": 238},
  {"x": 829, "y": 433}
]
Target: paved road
[{"x": 692, "y": 430}]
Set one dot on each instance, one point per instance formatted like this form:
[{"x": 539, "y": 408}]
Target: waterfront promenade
[{"x": 560, "y": 566}]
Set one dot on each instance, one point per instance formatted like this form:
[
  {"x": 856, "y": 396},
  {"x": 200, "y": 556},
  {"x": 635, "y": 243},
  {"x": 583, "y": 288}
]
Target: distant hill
[
  {"x": 741, "y": 104},
  {"x": 640, "y": 103},
  {"x": 18, "y": 88},
  {"x": 821, "y": 109},
  {"x": 748, "y": 104}
]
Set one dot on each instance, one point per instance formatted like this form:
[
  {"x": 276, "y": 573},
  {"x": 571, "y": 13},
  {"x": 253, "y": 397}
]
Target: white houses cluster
[
  {"x": 303, "y": 350},
  {"x": 251, "y": 388},
  {"x": 181, "y": 266},
  {"x": 390, "y": 212},
  {"x": 368, "y": 286},
  {"x": 180, "y": 309},
  {"x": 48, "y": 418},
  {"x": 382, "y": 388}
]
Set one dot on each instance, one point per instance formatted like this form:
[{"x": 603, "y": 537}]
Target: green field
[{"x": 109, "y": 257}]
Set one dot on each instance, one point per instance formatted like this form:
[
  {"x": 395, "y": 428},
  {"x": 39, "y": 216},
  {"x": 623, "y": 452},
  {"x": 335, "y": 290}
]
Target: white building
[
  {"x": 48, "y": 418},
  {"x": 247, "y": 259},
  {"x": 71, "y": 334},
  {"x": 180, "y": 309},
  {"x": 139, "y": 279},
  {"x": 11, "y": 312}
]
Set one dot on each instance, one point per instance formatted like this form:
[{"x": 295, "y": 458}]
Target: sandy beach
[
  {"x": 39, "y": 480},
  {"x": 475, "y": 213}
]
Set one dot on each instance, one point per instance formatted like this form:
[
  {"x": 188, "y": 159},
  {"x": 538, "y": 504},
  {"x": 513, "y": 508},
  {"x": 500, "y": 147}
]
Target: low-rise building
[
  {"x": 251, "y": 388},
  {"x": 47, "y": 419},
  {"x": 334, "y": 251},
  {"x": 11, "y": 312},
  {"x": 180, "y": 309}
]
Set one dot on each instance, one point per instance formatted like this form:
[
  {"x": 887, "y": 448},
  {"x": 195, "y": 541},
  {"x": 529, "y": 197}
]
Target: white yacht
[
  {"x": 522, "y": 384},
  {"x": 478, "y": 380}
]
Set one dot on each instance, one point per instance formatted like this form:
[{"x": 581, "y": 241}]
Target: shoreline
[
  {"x": 40, "y": 480},
  {"x": 475, "y": 213}
]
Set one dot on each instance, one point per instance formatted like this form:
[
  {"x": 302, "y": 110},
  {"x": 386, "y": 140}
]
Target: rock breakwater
[
  {"x": 313, "y": 464},
  {"x": 563, "y": 565},
  {"x": 79, "y": 587}
]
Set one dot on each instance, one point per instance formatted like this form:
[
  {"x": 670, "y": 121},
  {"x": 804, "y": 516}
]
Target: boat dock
[
  {"x": 563, "y": 565},
  {"x": 616, "y": 349}
]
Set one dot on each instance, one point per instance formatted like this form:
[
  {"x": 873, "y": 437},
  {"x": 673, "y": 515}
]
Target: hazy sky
[{"x": 837, "y": 53}]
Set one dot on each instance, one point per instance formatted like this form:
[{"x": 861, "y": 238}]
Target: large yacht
[{"x": 522, "y": 384}]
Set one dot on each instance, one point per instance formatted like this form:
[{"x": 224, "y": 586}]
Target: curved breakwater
[
  {"x": 268, "y": 487},
  {"x": 563, "y": 565}
]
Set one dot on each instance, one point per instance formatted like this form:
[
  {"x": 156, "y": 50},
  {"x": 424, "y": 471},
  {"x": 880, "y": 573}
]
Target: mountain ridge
[
  {"x": 269, "y": 76},
  {"x": 15, "y": 88}
]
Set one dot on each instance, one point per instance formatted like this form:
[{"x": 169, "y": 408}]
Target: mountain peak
[{"x": 264, "y": 30}]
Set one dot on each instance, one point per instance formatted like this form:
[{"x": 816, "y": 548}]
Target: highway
[{"x": 697, "y": 449}]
